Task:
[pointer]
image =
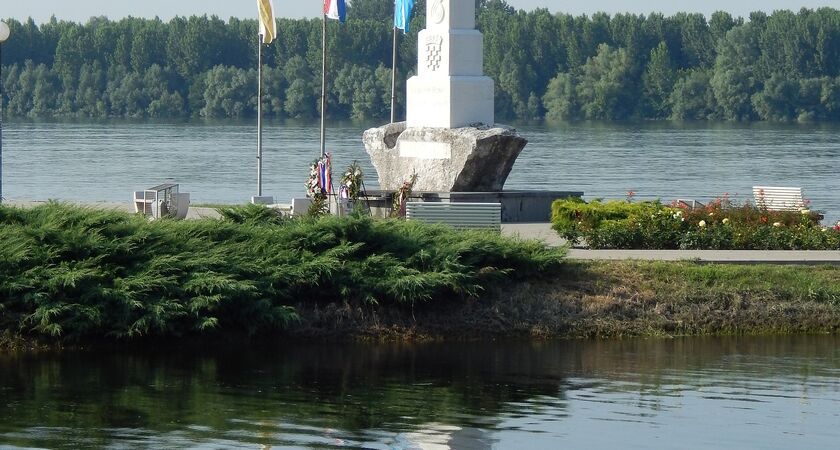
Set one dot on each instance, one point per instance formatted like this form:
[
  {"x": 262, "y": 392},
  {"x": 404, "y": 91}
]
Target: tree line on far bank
[{"x": 781, "y": 66}]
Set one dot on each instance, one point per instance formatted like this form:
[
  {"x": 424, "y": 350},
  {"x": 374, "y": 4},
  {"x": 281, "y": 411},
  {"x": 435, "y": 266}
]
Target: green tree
[
  {"x": 692, "y": 97},
  {"x": 22, "y": 92},
  {"x": 734, "y": 80},
  {"x": 720, "y": 24},
  {"x": 230, "y": 92},
  {"x": 92, "y": 83},
  {"x": 658, "y": 82},
  {"x": 102, "y": 67},
  {"x": 301, "y": 94},
  {"x": 125, "y": 94},
  {"x": 778, "y": 99},
  {"x": 560, "y": 99},
  {"x": 830, "y": 97},
  {"x": 45, "y": 95},
  {"x": 606, "y": 85}
]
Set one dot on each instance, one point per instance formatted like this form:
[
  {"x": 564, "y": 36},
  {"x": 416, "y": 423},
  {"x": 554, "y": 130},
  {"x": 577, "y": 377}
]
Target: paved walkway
[{"x": 813, "y": 257}]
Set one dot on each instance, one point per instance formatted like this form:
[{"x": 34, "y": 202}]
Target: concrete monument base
[{"x": 468, "y": 159}]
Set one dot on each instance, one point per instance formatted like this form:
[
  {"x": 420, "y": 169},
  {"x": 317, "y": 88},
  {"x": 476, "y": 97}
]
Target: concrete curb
[{"x": 809, "y": 257}]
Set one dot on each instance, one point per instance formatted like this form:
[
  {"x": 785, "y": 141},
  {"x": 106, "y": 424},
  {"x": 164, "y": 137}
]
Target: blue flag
[{"x": 402, "y": 14}]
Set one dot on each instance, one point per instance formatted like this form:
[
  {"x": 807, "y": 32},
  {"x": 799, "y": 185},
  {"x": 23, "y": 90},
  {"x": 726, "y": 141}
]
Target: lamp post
[{"x": 4, "y": 34}]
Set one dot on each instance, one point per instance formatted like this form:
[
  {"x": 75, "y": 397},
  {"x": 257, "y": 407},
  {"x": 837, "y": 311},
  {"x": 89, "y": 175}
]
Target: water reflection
[{"x": 776, "y": 391}]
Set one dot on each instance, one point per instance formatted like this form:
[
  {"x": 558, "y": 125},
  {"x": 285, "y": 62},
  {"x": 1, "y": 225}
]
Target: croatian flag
[{"x": 334, "y": 9}]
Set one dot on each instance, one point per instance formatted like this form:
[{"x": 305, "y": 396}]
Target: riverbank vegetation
[
  {"x": 627, "y": 298},
  {"x": 70, "y": 273},
  {"x": 609, "y": 299},
  {"x": 781, "y": 66},
  {"x": 720, "y": 225}
]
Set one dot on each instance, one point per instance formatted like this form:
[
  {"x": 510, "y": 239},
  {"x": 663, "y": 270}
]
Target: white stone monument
[
  {"x": 450, "y": 89},
  {"x": 449, "y": 138}
]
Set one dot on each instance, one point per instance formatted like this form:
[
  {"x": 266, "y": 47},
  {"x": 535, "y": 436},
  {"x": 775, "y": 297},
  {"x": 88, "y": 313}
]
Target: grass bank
[
  {"x": 73, "y": 275},
  {"x": 617, "y": 299}
]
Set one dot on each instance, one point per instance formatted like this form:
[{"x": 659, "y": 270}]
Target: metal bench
[
  {"x": 458, "y": 215},
  {"x": 774, "y": 198}
]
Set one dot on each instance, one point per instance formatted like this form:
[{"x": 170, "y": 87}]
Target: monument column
[{"x": 450, "y": 89}]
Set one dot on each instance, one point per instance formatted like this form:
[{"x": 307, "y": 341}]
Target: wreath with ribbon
[{"x": 319, "y": 184}]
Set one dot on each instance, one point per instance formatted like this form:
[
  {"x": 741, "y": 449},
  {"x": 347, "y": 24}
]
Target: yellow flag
[{"x": 267, "y": 27}]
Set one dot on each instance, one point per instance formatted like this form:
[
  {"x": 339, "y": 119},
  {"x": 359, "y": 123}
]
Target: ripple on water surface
[
  {"x": 215, "y": 161},
  {"x": 774, "y": 392}
]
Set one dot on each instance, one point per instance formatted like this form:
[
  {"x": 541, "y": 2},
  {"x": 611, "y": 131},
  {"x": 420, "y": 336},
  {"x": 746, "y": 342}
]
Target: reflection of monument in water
[
  {"x": 450, "y": 139},
  {"x": 440, "y": 436}
]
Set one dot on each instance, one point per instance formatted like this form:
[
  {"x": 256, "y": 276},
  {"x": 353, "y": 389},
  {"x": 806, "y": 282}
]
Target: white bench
[
  {"x": 774, "y": 198},
  {"x": 458, "y": 215}
]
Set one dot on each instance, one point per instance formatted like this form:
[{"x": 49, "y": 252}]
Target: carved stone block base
[{"x": 467, "y": 159}]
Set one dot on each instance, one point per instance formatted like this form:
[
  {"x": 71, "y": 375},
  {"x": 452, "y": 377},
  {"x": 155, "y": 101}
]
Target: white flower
[
  {"x": 711, "y": 214},
  {"x": 725, "y": 220},
  {"x": 805, "y": 211},
  {"x": 777, "y": 224},
  {"x": 702, "y": 223}
]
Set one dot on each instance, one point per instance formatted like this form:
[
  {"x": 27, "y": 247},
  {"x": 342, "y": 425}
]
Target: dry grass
[{"x": 614, "y": 299}]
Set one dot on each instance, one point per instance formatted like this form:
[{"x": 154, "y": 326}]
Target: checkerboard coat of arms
[{"x": 434, "y": 48}]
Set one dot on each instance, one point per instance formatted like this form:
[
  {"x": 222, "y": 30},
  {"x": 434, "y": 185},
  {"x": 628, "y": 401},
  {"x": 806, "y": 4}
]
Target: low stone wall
[{"x": 517, "y": 206}]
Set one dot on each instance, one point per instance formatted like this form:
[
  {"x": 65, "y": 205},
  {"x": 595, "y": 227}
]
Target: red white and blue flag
[
  {"x": 335, "y": 9},
  {"x": 325, "y": 173}
]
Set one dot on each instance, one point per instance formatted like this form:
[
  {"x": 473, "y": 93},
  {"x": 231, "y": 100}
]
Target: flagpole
[
  {"x": 259, "y": 115},
  {"x": 394, "y": 75},
  {"x": 323, "y": 84}
]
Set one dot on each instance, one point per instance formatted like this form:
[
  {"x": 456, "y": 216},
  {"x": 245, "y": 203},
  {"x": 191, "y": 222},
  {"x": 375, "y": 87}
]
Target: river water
[
  {"x": 763, "y": 392},
  {"x": 215, "y": 160}
]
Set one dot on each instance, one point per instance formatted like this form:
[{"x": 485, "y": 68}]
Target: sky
[{"x": 81, "y": 10}]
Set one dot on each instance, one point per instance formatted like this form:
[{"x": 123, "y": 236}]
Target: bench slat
[{"x": 776, "y": 198}]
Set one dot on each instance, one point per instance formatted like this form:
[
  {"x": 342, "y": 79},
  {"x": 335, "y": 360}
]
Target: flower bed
[{"x": 722, "y": 224}]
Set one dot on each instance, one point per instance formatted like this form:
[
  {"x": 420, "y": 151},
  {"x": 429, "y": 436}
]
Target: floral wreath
[
  {"x": 351, "y": 182},
  {"x": 402, "y": 195},
  {"x": 319, "y": 184}
]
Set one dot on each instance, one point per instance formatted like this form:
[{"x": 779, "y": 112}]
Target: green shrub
[
  {"x": 74, "y": 272},
  {"x": 573, "y": 216},
  {"x": 719, "y": 225}
]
